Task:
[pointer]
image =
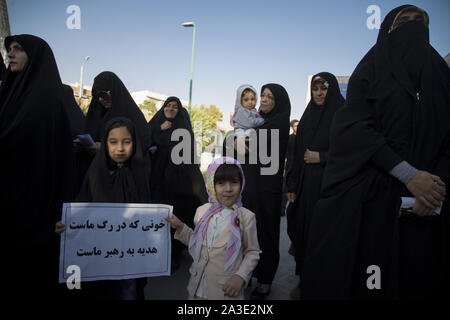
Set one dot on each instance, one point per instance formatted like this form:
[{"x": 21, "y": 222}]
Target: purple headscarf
[{"x": 235, "y": 239}]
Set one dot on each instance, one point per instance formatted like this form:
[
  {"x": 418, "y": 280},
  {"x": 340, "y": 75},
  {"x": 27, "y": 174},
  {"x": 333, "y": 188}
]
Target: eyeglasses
[{"x": 105, "y": 95}]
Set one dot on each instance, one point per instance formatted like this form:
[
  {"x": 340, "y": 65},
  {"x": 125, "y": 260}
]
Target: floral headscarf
[{"x": 235, "y": 239}]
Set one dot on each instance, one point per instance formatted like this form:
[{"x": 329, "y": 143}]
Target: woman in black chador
[
  {"x": 180, "y": 185},
  {"x": 390, "y": 142},
  {"x": 264, "y": 180},
  {"x": 37, "y": 161},
  {"x": 310, "y": 157},
  {"x": 110, "y": 99}
]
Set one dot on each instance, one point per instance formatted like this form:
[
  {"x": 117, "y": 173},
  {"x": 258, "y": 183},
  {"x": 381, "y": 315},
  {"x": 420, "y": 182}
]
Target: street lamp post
[
  {"x": 191, "y": 24},
  {"x": 81, "y": 80}
]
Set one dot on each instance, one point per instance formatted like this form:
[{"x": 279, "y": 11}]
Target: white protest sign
[{"x": 113, "y": 241}]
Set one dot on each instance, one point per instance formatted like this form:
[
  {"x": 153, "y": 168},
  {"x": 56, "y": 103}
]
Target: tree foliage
[
  {"x": 203, "y": 120},
  {"x": 148, "y": 107}
]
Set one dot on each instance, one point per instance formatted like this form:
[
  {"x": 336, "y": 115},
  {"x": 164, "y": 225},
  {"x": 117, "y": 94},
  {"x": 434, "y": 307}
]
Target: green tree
[
  {"x": 205, "y": 119},
  {"x": 148, "y": 107}
]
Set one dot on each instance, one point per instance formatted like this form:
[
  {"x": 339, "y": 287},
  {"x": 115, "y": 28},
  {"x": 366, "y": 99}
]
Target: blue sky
[{"x": 237, "y": 42}]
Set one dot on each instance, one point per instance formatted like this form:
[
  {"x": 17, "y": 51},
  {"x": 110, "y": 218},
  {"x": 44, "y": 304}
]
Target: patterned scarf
[{"x": 235, "y": 239}]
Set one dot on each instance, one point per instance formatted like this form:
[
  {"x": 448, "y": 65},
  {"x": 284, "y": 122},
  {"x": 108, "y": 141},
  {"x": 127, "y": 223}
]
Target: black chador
[
  {"x": 262, "y": 192},
  {"x": 304, "y": 179},
  {"x": 180, "y": 185},
  {"x": 397, "y": 110},
  {"x": 108, "y": 181},
  {"x": 123, "y": 105},
  {"x": 37, "y": 163},
  {"x": 74, "y": 112}
]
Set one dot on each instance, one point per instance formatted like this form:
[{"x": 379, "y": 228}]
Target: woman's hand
[
  {"x": 60, "y": 227},
  {"x": 233, "y": 285},
  {"x": 311, "y": 157},
  {"x": 92, "y": 150},
  {"x": 76, "y": 145},
  {"x": 291, "y": 197},
  {"x": 175, "y": 223},
  {"x": 427, "y": 188},
  {"x": 166, "y": 125},
  {"x": 240, "y": 144}
]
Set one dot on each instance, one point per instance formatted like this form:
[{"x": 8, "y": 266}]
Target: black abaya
[
  {"x": 386, "y": 119},
  {"x": 305, "y": 179}
]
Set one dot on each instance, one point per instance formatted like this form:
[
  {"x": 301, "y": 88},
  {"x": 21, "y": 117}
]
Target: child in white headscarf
[{"x": 245, "y": 116}]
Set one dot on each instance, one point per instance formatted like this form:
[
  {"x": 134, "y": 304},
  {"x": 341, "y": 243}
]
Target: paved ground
[{"x": 174, "y": 287}]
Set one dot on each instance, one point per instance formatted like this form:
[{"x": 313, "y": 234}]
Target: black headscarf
[
  {"x": 278, "y": 119},
  {"x": 76, "y": 116},
  {"x": 123, "y": 105},
  {"x": 36, "y": 140},
  {"x": 171, "y": 181},
  {"x": 181, "y": 121},
  {"x": 386, "y": 119},
  {"x": 105, "y": 181}
]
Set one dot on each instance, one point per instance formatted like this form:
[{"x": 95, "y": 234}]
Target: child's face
[
  {"x": 227, "y": 192},
  {"x": 248, "y": 100},
  {"x": 120, "y": 144}
]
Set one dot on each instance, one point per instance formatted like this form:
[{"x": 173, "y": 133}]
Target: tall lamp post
[
  {"x": 191, "y": 24},
  {"x": 81, "y": 80}
]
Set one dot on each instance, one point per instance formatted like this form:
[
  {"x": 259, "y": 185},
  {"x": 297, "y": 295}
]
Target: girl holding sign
[
  {"x": 119, "y": 173},
  {"x": 224, "y": 243}
]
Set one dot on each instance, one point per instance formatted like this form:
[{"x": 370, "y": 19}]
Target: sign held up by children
[{"x": 115, "y": 241}]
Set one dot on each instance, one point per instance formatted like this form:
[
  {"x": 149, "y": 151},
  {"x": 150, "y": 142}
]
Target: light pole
[
  {"x": 81, "y": 80},
  {"x": 191, "y": 24}
]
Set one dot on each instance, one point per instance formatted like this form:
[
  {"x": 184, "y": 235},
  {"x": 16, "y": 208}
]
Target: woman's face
[
  {"x": 171, "y": 110},
  {"x": 410, "y": 15},
  {"x": 319, "y": 93},
  {"x": 267, "y": 101},
  {"x": 105, "y": 98},
  {"x": 120, "y": 144},
  {"x": 18, "y": 58}
]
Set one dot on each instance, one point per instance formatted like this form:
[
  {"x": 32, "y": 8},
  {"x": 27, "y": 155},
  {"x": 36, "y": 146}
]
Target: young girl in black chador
[{"x": 119, "y": 173}]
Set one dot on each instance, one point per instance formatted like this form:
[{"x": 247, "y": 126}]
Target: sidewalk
[{"x": 174, "y": 287}]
